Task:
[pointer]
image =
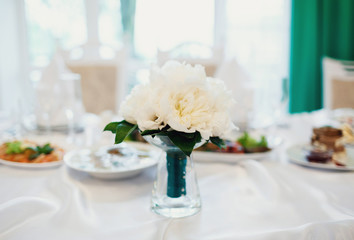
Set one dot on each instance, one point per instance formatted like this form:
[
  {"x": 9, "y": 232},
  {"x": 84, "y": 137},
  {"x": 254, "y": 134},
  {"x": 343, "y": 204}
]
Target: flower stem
[{"x": 176, "y": 170}]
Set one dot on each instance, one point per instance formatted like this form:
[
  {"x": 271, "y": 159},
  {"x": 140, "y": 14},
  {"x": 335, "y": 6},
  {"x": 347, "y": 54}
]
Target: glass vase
[{"x": 175, "y": 193}]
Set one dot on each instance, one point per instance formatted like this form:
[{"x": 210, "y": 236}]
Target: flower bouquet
[{"x": 177, "y": 110}]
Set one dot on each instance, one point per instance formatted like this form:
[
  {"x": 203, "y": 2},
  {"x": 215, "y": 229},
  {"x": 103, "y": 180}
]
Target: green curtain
[
  {"x": 127, "y": 10},
  {"x": 318, "y": 28}
]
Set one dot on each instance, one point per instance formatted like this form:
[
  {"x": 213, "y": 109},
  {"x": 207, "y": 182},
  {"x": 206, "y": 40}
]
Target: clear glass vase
[{"x": 175, "y": 193}]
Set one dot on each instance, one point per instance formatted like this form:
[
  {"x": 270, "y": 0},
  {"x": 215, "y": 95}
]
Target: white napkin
[{"x": 239, "y": 82}]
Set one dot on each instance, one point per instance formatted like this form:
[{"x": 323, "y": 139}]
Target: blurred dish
[
  {"x": 297, "y": 155},
  {"x": 244, "y": 144},
  {"x": 32, "y": 165},
  {"x": 30, "y": 154},
  {"x": 343, "y": 116},
  {"x": 234, "y": 157},
  {"x": 113, "y": 162}
]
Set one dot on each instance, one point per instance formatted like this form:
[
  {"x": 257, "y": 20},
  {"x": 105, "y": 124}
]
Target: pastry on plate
[{"x": 329, "y": 137}]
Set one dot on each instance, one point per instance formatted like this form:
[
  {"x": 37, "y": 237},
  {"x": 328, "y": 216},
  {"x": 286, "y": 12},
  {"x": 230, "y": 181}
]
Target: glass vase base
[
  {"x": 175, "y": 212},
  {"x": 176, "y": 207}
]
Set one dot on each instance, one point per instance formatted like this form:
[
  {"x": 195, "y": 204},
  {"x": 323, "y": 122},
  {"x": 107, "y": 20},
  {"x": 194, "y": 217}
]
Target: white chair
[
  {"x": 102, "y": 80},
  {"x": 194, "y": 53},
  {"x": 338, "y": 83}
]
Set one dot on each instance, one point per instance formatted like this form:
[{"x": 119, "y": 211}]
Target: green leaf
[
  {"x": 153, "y": 132},
  {"x": 218, "y": 142},
  {"x": 123, "y": 129},
  {"x": 112, "y": 126},
  {"x": 184, "y": 141},
  {"x": 187, "y": 135},
  {"x": 46, "y": 149},
  {"x": 14, "y": 147},
  {"x": 150, "y": 132},
  {"x": 164, "y": 133}
]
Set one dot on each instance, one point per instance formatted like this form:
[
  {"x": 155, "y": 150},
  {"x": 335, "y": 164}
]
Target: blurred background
[{"x": 268, "y": 52}]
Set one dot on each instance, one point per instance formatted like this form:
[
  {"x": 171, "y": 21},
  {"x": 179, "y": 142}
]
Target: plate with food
[
  {"x": 29, "y": 154},
  {"x": 246, "y": 146},
  {"x": 326, "y": 150},
  {"x": 113, "y": 162},
  {"x": 309, "y": 156}
]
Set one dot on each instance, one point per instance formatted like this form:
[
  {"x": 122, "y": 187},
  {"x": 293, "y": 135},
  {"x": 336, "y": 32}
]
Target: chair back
[
  {"x": 338, "y": 83},
  {"x": 102, "y": 82},
  {"x": 194, "y": 53}
]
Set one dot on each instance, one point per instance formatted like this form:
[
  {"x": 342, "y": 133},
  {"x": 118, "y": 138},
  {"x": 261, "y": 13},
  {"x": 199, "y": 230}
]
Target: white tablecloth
[{"x": 268, "y": 199}]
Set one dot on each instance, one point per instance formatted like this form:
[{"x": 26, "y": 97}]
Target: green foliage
[
  {"x": 38, "y": 150},
  {"x": 218, "y": 142},
  {"x": 150, "y": 132},
  {"x": 112, "y": 127},
  {"x": 248, "y": 142},
  {"x": 263, "y": 142},
  {"x": 122, "y": 129},
  {"x": 184, "y": 141},
  {"x": 14, "y": 147}
]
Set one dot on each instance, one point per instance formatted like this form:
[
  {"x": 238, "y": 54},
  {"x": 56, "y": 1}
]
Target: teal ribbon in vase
[{"x": 176, "y": 174}]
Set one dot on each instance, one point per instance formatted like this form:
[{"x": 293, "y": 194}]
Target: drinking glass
[{"x": 59, "y": 106}]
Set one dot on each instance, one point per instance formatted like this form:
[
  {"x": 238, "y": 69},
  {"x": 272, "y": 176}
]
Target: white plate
[
  {"x": 32, "y": 165},
  {"x": 204, "y": 156},
  {"x": 127, "y": 166},
  {"x": 296, "y": 155}
]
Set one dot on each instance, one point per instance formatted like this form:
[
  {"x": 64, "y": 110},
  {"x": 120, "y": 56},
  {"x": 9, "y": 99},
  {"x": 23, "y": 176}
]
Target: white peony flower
[
  {"x": 128, "y": 109},
  {"x": 182, "y": 97}
]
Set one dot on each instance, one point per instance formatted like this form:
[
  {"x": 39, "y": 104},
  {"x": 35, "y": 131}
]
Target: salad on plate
[
  {"x": 244, "y": 144},
  {"x": 30, "y": 152}
]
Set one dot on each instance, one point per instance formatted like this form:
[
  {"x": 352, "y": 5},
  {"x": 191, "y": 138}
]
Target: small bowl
[{"x": 317, "y": 154}]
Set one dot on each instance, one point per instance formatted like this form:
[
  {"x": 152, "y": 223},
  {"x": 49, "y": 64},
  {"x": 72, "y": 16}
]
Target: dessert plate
[
  {"x": 296, "y": 155},
  {"x": 113, "y": 162}
]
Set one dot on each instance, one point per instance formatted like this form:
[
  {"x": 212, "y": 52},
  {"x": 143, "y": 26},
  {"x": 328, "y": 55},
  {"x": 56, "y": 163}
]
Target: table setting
[{"x": 173, "y": 165}]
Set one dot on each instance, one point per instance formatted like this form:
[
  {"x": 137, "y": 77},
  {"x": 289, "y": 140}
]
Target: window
[
  {"x": 110, "y": 28},
  {"x": 164, "y": 24},
  {"x": 257, "y": 34},
  {"x": 51, "y": 22},
  {"x": 254, "y": 32}
]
